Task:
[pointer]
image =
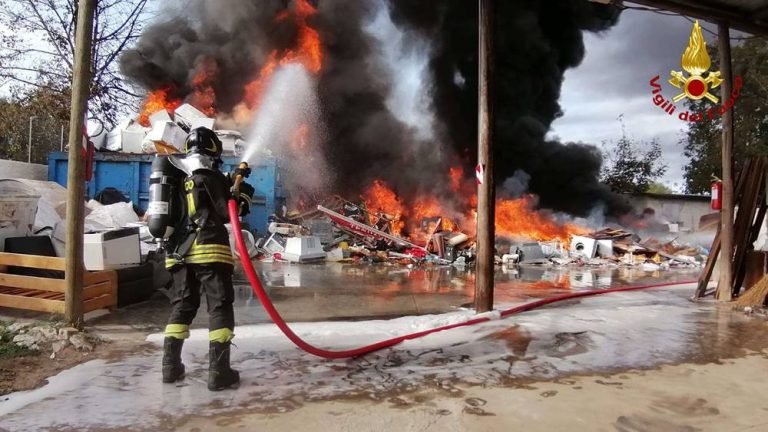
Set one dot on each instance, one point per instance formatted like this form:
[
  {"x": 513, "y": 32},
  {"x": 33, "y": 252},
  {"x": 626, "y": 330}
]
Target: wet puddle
[{"x": 599, "y": 335}]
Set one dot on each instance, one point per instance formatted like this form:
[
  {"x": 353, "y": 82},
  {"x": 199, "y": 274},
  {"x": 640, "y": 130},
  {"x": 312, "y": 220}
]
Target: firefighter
[{"x": 202, "y": 261}]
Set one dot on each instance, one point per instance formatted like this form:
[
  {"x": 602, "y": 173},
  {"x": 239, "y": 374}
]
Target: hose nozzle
[{"x": 243, "y": 167}]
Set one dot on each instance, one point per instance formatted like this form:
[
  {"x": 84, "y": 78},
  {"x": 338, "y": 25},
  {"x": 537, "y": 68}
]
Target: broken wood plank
[
  {"x": 714, "y": 250},
  {"x": 748, "y": 204}
]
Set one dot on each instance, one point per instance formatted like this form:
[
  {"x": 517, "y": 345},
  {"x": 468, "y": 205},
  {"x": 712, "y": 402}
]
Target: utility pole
[
  {"x": 81, "y": 80},
  {"x": 486, "y": 191},
  {"x": 724, "y": 288}
]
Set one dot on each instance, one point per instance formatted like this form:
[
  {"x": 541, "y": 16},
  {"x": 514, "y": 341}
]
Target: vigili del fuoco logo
[{"x": 697, "y": 84}]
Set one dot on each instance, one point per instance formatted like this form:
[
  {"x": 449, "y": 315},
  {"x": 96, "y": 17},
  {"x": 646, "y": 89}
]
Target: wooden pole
[
  {"x": 486, "y": 189},
  {"x": 81, "y": 79},
  {"x": 724, "y": 292}
]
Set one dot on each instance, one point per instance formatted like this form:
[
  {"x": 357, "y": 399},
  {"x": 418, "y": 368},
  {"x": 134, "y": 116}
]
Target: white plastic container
[
  {"x": 230, "y": 140},
  {"x": 112, "y": 250},
  {"x": 18, "y": 208},
  {"x": 303, "y": 249}
]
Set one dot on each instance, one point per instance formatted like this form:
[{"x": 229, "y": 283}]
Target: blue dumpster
[{"x": 129, "y": 173}]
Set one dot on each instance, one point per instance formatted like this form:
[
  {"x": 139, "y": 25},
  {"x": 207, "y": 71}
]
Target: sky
[{"x": 613, "y": 80}]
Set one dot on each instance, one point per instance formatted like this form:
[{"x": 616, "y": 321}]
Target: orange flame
[
  {"x": 204, "y": 96},
  {"x": 156, "y": 101},
  {"x": 518, "y": 219},
  {"x": 515, "y": 218},
  {"x": 456, "y": 174},
  {"x": 379, "y": 198},
  {"x": 308, "y": 52}
]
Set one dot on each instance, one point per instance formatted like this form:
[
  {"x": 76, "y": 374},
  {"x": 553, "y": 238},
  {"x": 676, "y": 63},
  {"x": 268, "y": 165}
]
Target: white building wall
[{"x": 23, "y": 170}]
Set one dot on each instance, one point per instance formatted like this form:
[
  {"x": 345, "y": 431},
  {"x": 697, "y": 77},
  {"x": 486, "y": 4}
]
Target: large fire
[
  {"x": 416, "y": 217},
  {"x": 307, "y": 52},
  {"x": 158, "y": 100},
  {"x": 518, "y": 219},
  {"x": 515, "y": 218},
  {"x": 381, "y": 201}
]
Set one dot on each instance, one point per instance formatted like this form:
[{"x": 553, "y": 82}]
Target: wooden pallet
[{"x": 47, "y": 294}]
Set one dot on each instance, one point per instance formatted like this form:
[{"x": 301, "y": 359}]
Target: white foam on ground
[{"x": 632, "y": 329}]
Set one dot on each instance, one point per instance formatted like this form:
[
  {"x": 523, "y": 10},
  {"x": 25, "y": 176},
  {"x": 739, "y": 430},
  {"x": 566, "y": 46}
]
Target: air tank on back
[{"x": 166, "y": 207}]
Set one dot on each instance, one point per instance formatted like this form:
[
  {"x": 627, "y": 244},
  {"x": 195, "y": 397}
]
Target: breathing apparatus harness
[{"x": 168, "y": 217}]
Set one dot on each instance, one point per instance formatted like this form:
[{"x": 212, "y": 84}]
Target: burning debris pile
[
  {"x": 342, "y": 231},
  {"x": 162, "y": 132},
  {"x": 328, "y": 88}
]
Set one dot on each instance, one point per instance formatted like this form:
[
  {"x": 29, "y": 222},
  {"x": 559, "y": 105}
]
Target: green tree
[
  {"x": 631, "y": 167},
  {"x": 38, "y": 43},
  {"x": 703, "y": 139},
  {"x": 49, "y": 113},
  {"x": 659, "y": 188}
]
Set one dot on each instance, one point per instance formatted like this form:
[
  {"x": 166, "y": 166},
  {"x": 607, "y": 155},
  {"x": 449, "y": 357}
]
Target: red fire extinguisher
[{"x": 717, "y": 193}]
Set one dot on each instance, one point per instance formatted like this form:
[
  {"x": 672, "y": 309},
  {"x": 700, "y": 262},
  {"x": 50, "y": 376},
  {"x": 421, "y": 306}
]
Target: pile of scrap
[
  {"x": 340, "y": 230},
  {"x": 606, "y": 248},
  {"x": 163, "y": 132}
]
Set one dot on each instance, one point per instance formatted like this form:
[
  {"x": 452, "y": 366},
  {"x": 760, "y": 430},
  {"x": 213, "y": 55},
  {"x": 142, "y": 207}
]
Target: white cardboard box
[
  {"x": 110, "y": 250},
  {"x": 169, "y": 134},
  {"x": 131, "y": 139},
  {"x": 160, "y": 116},
  {"x": 193, "y": 117}
]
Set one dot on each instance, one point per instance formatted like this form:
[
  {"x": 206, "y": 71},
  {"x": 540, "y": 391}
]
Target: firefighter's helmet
[{"x": 203, "y": 141}]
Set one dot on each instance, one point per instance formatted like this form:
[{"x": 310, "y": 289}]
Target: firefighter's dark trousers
[{"x": 215, "y": 281}]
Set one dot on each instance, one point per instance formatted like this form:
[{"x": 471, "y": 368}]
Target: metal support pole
[
  {"x": 62, "y": 137},
  {"x": 29, "y": 141},
  {"x": 724, "y": 288},
  {"x": 81, "y": 77},
  {"x": 486, "y": 188}
]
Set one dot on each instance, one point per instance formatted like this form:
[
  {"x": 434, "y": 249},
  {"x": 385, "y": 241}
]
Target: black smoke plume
[{"x": 536, "y": 42}]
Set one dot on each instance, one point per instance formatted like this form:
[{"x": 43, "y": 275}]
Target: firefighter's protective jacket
[{"x": 207, "y": 192}]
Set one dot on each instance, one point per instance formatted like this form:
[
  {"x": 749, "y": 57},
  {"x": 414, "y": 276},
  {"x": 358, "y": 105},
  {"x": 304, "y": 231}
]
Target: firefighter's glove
[
  {"x": 245, "y": 172},
  {"x": 245, "y": 198}
]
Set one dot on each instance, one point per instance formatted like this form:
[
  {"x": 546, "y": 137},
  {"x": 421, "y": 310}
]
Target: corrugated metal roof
[{"x": 750, "y": 16}]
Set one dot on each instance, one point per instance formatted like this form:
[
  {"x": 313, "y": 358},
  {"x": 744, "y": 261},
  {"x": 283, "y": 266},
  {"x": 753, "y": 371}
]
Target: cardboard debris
[
  {"x": 165, "y": 138},
  {"x": 166, "y": 135},
  {"x": 111, "y": 216},
  {"x": 191, "y": 117},
  {"x": 161, "y": 116},
  {"x": 126, "y": 137}
]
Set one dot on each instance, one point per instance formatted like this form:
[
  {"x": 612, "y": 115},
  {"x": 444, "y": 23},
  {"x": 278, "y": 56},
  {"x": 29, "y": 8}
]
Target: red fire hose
[{"x": 258, "y": 289}]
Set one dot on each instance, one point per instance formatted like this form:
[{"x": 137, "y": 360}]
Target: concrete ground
[{"x": 639, "y": 361}]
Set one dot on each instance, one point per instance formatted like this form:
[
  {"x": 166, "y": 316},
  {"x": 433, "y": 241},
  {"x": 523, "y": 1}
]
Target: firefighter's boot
[
  {"x": 220, "y": 375},
  {"x": 173, "y": 368}
]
